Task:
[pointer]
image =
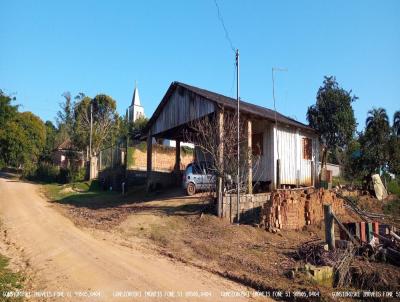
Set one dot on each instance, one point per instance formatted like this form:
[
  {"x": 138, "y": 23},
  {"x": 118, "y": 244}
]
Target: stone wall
[
  {"x": 250, "y": 206},
  {"x": 294, "y": 209}
]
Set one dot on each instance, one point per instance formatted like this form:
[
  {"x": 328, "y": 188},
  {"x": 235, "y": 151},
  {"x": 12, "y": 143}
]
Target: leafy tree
[
  {"x": 332, "y": 116},
  {"x": 7, "y": 111},
  {"x": 7, "y": 114},
  {"x": 394, "y": 155},
  {"x": 137, "y": 126},
  {"x": 375, "y": 140},
  {"x": 396, "y": 123},
  {"x": 65, "y": 116},
  {"x": 105, "y": 122},
  {"x": 22, "y": 140},
  {"x": 353, "y": 166},
  {"x": 51, "y": 134}
]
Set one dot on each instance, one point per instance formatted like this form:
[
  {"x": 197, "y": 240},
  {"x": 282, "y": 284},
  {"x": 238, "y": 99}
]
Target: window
[
  {"x": 196, "y": 169},
  {"x": 257, "y": 144},
  {"x": 307, "y": 148}
]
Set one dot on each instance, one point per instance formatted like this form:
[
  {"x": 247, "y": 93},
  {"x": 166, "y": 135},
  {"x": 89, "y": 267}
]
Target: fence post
[{"x": 329, "y": 227}]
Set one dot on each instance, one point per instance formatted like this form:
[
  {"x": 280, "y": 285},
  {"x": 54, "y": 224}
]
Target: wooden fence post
[{"x": 329, "y": 227}]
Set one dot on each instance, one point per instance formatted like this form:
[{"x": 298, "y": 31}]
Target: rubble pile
[{"x": 293, "y": 209}]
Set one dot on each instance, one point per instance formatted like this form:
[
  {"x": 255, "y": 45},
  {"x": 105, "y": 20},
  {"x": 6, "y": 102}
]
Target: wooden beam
[
  {"x": 178, "y": 161},
  {"x": 149, "y": 160},
  {"x": 249, "y": 156},
  {"x": 220, "y": 189},
  {"x": 329, "y": 227}
]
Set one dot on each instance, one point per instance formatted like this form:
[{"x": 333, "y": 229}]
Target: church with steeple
[{"x": 135, "y": 110}]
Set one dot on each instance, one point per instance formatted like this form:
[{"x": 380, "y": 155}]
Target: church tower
[{"x": 135, "y": 110}]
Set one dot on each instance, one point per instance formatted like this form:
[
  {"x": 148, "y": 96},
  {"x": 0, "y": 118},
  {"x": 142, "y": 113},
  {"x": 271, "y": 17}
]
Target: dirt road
[{"x": 66, "y": 258}]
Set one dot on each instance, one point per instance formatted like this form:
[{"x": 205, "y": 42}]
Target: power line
[{"x": 221, "y": 19}]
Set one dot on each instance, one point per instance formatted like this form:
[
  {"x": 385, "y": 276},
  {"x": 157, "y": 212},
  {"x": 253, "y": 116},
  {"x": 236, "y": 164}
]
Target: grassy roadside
[
  {"x": 9, "y": 281},
  {"x": 79, "y": 193}
]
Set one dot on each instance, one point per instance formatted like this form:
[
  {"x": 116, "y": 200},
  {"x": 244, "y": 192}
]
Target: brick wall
[
  {"x": 163, "y": 158},
  {"x": 293, "y": 209}
]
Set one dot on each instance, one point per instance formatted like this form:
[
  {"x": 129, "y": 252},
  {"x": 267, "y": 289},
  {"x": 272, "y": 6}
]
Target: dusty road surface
[{"x": 66, "y": 258}]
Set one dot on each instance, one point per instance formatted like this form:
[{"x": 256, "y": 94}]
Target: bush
[
  {"x": 394, "y": 187},
  {"x": 77, "y": 174},
  {"x": 45, "y": 172}
]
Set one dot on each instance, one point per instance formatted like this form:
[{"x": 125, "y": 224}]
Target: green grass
[
  {"x": 9, "y": 281},
  {"x": 79, "y": 193},
  {"x": 336, "y": 180},
  {"x": 394, "y": 187},
  {"x": 392, "y": 208}
]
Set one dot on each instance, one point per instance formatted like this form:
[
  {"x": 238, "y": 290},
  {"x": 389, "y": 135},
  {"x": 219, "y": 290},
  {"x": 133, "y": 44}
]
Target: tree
[
  {"x": 396, "y": 123},
  {"x": 222, "y": 162},
  {"x": 352, "y": 161},
  {"x": 7, "y": 114},
  {"x": 7, "y": 111},
  {"x": 394, "y": 155},
  {"x": 104, "y": 119},
  {"x": 22, "y": 140},
  {"x": 136, "y": 127},
  {"x": 332, "y": 116},
  {"x": 65, "y": 116},
  {"x": 51, "y": 134},
  {"x": 375, "y": 140}
]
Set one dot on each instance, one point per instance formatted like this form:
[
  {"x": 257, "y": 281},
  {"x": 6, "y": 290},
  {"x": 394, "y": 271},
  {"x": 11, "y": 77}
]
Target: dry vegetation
[{"x": 182, "y": 228}]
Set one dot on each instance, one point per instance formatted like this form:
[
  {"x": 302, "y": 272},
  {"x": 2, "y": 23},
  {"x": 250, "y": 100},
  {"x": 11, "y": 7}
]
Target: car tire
[{"x": 191, "y": 189}]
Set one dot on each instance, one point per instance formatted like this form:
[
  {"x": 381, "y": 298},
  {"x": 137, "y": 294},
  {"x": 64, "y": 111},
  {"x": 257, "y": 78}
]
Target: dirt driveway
[{"x": 66, "y": 258}]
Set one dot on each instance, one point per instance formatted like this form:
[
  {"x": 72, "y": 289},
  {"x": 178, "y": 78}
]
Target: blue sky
[{"x": 48, "y": 47}]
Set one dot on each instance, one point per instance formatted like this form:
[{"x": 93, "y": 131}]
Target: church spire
[{"x": 136, "y": 98}]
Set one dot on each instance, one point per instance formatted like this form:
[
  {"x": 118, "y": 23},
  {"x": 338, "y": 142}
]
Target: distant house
[
  {"x": 67, "y": 154},
  {"x": 336, "y": 170},
  {"x": 288, "y": 150}
]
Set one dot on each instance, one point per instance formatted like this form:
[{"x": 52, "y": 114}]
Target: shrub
[
  {"x": 394, "y": 187},
  {"x": 45, "y": 172}
]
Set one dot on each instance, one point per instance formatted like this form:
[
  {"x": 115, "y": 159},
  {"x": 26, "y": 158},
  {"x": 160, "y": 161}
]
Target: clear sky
[{"x": 48, "y": 47}]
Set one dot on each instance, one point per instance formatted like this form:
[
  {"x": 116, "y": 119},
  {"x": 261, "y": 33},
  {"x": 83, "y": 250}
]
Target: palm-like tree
[
  {"x": 396, "y": 123},
  {"x": 377, "y": 118}
]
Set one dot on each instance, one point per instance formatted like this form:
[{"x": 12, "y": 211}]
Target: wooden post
[
  {"x": 278, "y": 173},
  {"x": 249, "y": 156},
  {"x": 312, "y": 173},
  {"x": 149, "y": 160},
  {"x": 220, "y": 189},
  {"x": 178, "y": 161},
  {"x": 329, "y": 227}
]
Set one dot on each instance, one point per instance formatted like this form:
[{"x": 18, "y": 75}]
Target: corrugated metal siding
[
  {"x": 182, "y": 107},
  {"x": 264, "y": 170},
  {"x": 286, "y": 152},
  {"x": 294, "y": 168}
]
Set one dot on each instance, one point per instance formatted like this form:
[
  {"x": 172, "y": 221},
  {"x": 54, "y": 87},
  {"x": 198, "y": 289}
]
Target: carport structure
[{"x": 288, "y": 148}]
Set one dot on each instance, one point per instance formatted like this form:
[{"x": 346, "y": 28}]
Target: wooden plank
[{"x": 249, "y": 156}]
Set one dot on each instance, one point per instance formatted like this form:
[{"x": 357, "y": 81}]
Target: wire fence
[{"x": 111, "y": 157}]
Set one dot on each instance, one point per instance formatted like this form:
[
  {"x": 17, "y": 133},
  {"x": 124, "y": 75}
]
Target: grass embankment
[
  {"x": 392, "y": 207},
  {"x": 9, "y": 281},
  {"x": 79, "y": 192}
]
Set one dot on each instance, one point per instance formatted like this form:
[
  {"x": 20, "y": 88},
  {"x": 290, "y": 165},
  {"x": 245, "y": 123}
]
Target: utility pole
[
  {"x": 278, "y": 161},
  {"x": 238, "y": 136}
]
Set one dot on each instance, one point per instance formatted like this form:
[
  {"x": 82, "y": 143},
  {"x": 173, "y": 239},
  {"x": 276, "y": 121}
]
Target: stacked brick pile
[{"x": 293, "y": 209}]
